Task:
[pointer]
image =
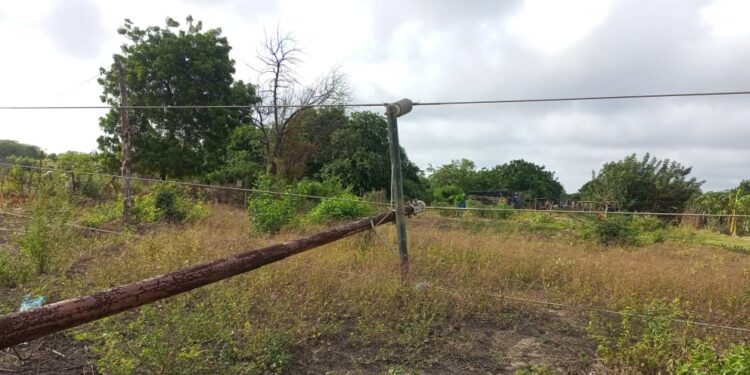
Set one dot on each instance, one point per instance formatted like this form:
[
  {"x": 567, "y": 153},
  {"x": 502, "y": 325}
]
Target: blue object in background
[{"x": 30, "y": 302}]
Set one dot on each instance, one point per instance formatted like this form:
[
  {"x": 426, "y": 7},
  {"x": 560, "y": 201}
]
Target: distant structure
[{"x": 511, "y": 198}]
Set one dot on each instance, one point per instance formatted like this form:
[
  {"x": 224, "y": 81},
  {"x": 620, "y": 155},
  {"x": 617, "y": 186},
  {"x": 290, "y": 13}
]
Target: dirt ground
[{"x": 516, "y": 338}]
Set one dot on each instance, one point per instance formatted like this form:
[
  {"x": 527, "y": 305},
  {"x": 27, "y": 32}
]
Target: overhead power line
[
  {"x": 281, "y": 193},
  {"x": 464, "y": 292},
  {"x": 92, "y": 229},
  {"x": 352, "y": 105},
  {"x": 146, "y": 179},
  {"x": 585, "y": 98},
  {"x": 634, "y": 213}
]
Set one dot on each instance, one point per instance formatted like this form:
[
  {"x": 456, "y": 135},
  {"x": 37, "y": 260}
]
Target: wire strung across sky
[{"x": 354, "y": 105}]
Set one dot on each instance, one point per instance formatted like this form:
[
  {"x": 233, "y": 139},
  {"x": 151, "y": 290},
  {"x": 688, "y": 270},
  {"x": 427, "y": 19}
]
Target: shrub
[
  {"x": 643, "y": 341},
  {"x": 269, "y": 214},
  {"x": 268, "y": 351},
  {"x": 702, "y": 358},
  {"x": 175, "y": 337},
  {"x": 345, "y": 206},
  {"x": 614, "y": 230},
  {"x": 488, "y": 214},
  {"x": 13, "y": 269},
  {"x": 45, "y": 230},
  {"x": 626, "y": 230}
]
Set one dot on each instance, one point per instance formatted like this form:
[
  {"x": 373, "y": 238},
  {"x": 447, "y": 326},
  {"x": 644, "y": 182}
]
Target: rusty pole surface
[{"x": 25, "y": 326}]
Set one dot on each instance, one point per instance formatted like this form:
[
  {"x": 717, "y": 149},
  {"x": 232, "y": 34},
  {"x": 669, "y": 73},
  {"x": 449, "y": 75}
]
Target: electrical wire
[
  {"x": 77, "y": 226},
  {"x": 584, "y": 98},
  {"x": 463, "y": 292},
  {"x": 260, "y": 191},
  {"x": 634, "y": 213},
  {"x": 437, "y": 103}
]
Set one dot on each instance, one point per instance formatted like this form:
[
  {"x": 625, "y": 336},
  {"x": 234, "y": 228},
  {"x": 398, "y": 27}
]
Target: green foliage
[
  {"x": 345, "y": 206},
  {"x": 647, "y": 184},
  {"x": 269, "y": 214},
  {"x": 359, "y": 157},
  {"x": 534, "y": 370},
  {"x": 82, "y": 165},
  {"x": 243, "y": 160},
  {"x": 730, "y": 202},
  {"x": 47, "y": 227},
  {"x": 448, "y": 193},
  {"x": 517, "y": 175},
  {"x": 489, "y": 214},
  {"x": 702, "y": 358},
  {"x": 12, "y": 148},
  {"x": 268, "y": 351},
  {"x": 646, "y": 342},
  {"x": 643, "y": 341},
  {"x": 627, "y": 230},
  {"x": 165, "y": 338},
  {"x": 14, "y": 269},
  {"x": 171, "y": 66}
]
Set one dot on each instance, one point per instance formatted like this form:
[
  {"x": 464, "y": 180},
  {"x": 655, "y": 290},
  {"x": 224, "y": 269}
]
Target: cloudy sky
[{"x": 438, "y": 50}]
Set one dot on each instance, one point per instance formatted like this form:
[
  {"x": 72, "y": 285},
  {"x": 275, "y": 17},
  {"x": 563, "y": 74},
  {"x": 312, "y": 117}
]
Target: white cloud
[
  {"x": 552, "y": 26},
  {"x": 728, "y": 18},
  {"x": 450, "y": 50}
]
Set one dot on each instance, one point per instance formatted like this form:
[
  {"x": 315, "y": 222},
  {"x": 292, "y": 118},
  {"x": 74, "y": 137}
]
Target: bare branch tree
[{"x": 279, "y": 87}]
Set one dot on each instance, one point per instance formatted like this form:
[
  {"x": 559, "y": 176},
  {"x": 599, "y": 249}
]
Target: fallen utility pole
[{"x": 25, "y": 326}]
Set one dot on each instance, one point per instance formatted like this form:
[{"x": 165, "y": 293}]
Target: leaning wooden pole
[{"x": 48, "y": 319}]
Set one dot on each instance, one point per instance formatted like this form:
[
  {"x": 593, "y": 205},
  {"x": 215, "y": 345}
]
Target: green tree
[
  {"x": 82, "y": 167},
  {"x": 243, "y": 160},
  {"x": 12, "y": 148},
  {"x": 459, "y": 173},
  {"x": 360, "y": 157},
  {"x": 169, "y": 67},
  {"x": 533, "y": 180},
  {"x": 646, "y": 184},
  {"x": 517, "y": 175}
]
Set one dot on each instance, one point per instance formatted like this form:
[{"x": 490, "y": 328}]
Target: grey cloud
[
  {"x": 641, "y": 47},
  {"x": 75, "y": 28}
]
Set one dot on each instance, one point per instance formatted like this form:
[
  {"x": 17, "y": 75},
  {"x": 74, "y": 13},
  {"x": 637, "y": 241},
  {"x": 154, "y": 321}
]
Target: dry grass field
[{"x": 341, "y": 308}]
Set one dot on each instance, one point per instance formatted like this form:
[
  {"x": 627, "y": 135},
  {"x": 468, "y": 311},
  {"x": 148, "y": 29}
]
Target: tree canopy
[
  {"x": 533, "y": 180},
  {"x": 168, "y": 67},
  {"x": 645, "y": 184},
  {"x": 13, "y": 148}
]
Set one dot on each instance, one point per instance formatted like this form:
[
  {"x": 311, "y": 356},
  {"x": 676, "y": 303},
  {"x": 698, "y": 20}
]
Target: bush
[
  {"x": 46, "y": 229},
  {"x": 703, "y": 358},
  {"x": 13, "y": 270},
  {"x": 345, "y": 206},
  {"x": 643, "y": 342},
  {"x": 489, "y": 214},
  {"x": 164, "y": 201},
  {"x": 175, "y": 337},
  {"x": 626, "y": 230},
  {"x": 269, "y": 214}
]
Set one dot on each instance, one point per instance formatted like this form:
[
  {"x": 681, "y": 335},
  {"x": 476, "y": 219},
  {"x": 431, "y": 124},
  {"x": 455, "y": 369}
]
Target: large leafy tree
[
  {"x": 533, "y": 180},
  {"x": 170, "y": 67},
  {"x": 645, "y": 184},
  {"x": 360, "y": 158},
  {"x": 518, "y": 175},
  {"x": 12, "y": 148}
]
